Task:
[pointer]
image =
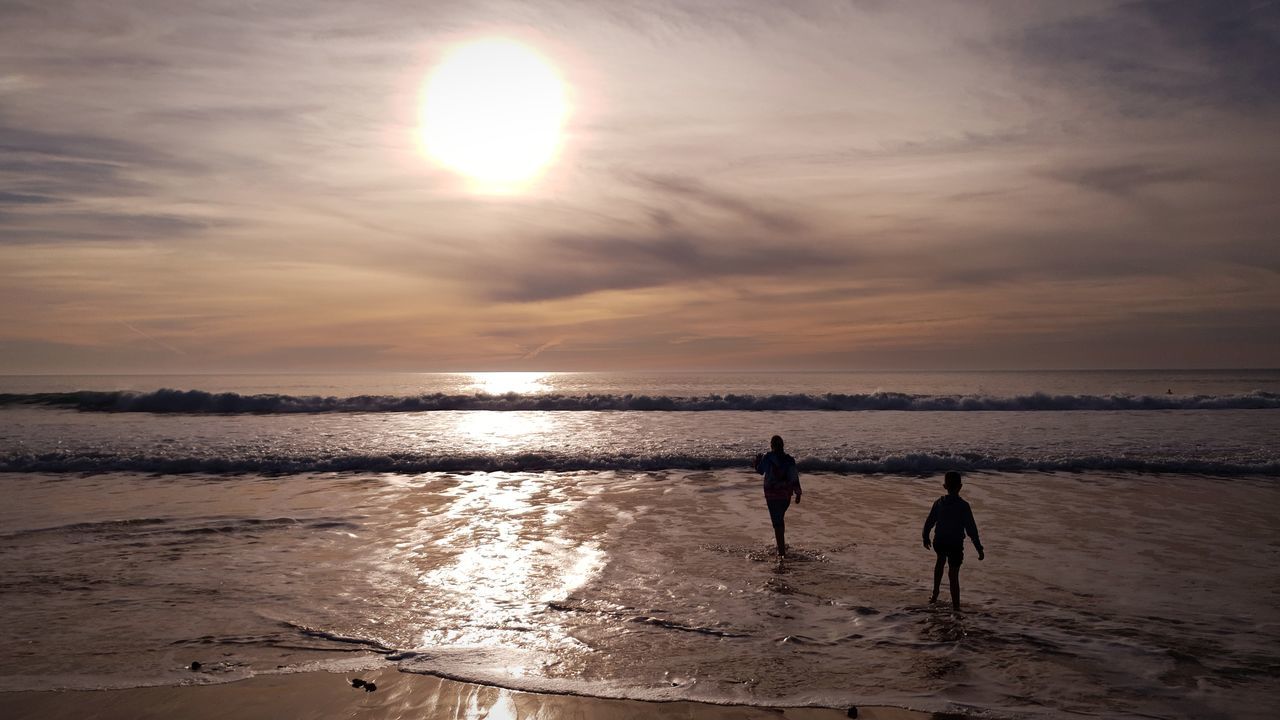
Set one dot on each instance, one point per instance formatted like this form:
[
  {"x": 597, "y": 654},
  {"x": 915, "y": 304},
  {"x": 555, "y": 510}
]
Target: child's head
[
  {"x": 775, "y": 443},
  {"x": 952, "y": 482}
]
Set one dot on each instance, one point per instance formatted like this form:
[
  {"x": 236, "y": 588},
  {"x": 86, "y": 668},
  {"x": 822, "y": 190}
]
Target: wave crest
[
  {"x": 230, "y": 403},
  {"x": 892, "y": 464}
]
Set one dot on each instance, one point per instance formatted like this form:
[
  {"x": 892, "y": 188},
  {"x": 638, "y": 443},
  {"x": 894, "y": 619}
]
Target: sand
[{"x": 398, "y": 695}]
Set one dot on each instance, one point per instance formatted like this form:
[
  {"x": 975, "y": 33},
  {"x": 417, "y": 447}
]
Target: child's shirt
[
  {"x": 781, "y": 478},
  {"x": 953, "y": 518}
]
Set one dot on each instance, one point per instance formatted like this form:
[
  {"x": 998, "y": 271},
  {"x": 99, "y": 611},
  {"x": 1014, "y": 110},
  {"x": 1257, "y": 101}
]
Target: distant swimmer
[
  {"x": 781, "y": 481},
  {"x": 953, "y": 518}
]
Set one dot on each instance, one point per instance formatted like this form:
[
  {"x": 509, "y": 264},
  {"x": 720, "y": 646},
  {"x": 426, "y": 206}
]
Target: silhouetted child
[
  {"x": 953, "y": 517},
  {"x": 781, "y": 481}
]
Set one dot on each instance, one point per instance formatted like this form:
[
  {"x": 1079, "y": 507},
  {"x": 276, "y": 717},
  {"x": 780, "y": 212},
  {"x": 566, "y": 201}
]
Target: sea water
[{"x": 603, "y": 534}]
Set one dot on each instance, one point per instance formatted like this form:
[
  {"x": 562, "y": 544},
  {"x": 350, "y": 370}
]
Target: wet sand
[{"x": 398, "y": 695}]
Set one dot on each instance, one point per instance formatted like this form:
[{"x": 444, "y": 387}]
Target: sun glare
[
  {"x": 500, "y": 383},
  {"x": 492, "y": 110}
]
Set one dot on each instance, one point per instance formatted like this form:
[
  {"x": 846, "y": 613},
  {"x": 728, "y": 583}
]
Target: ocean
[{"x": 603, "y": 534}]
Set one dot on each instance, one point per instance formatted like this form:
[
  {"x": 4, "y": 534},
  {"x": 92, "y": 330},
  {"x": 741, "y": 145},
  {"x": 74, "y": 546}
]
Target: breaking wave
[
  {"x": 230, "y": 403},
  {"x": 899, "y": 464}
]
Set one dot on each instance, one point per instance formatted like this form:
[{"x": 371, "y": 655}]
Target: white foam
[{"x": 202, "y": 402}]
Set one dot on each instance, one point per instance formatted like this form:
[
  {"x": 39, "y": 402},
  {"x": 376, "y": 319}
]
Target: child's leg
[
  {"x": 937, "y": 577},
  {"x": 777, "y": 513},
  {"x": 954, "y": 575}
]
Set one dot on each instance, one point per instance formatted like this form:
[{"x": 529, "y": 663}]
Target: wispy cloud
[
  {"x": 153, "y": 339},
  {"x": 571, "y": 266},
  {"x": 77, "y": 227},
  {"x": 753, "y": 211},
  {"x": 1127, "y": 178}
]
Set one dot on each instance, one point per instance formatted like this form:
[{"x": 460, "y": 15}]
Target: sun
[{"x": 493, "y": 110}]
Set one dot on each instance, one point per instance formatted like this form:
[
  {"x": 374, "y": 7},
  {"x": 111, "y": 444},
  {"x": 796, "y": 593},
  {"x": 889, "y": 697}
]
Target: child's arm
[
  {"x": 929, "y": 523},
  {"x": 795, "y": 482},
  {"x": 971, "y": 527}
]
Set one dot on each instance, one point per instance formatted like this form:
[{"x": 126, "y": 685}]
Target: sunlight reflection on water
[
  {"x": 498, "y": 430},
  {"x": 500, "y": 383},
  {"x": 493, "y": 564}
]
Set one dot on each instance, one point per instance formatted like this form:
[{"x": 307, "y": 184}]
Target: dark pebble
[
  {"x": 195, "y": 665},
  {"x": 370, "y": 687},
  {"x": 357, "y": 683},
  {"x": 853, "y": 711}
]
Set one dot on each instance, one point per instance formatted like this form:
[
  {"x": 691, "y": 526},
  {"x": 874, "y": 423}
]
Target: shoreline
[{"x": 323, "y": 694}]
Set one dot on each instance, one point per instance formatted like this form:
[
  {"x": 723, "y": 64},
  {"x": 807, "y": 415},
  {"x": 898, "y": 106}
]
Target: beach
[
  {"x": 329, "y": 695},
  {"x": 600, "y": 563}
]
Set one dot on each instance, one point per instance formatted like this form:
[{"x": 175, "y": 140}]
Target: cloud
[
  {"x": 566, "y": 267},
  {"x": 353, "y": 355},
  {"x": 11, "y": 198},
  {"x": 68, "y": 178},
  {"x": 1125, "y": 179},
  {"x": 82, "y": 147},
  {"x": 1240, "y": 42},
  {"x": 752, "y": 211},
  {"x": 153, "y": 339},
  {"x": 60, "y": 186},
  {"x": 699, "y": 235},
  {"x": 538, "y": 350},
  {"x": 76, "y": 227},
  {"x": 1150, "y": 54}
]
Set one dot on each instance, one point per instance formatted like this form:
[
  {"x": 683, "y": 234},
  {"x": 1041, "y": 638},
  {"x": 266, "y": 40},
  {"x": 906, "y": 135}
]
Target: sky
[{"x": 242, "y": 186}]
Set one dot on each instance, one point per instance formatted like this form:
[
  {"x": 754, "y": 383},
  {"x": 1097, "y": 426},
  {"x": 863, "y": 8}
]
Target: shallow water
[
  {"x": 1100, "y": 594},
  {"x": 1221, "y": 442}
]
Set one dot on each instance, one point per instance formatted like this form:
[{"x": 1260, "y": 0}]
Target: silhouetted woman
[{"x": 781, "y": 480}]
